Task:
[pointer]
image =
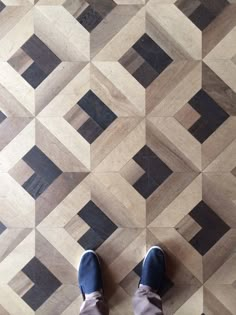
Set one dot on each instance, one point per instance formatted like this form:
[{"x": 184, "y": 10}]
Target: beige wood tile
[{"x": 150, "y": 67}]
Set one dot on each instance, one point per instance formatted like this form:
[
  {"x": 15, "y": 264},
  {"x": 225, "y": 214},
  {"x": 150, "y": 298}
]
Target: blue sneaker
[
  {"x": 153, "y": 270},
  {"x": 90, "y": 275}
]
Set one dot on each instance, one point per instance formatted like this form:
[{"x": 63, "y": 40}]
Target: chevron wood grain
[{"x": 117, "y": 132}]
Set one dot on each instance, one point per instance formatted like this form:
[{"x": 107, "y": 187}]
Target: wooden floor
[{"x": 117, "y": 132}]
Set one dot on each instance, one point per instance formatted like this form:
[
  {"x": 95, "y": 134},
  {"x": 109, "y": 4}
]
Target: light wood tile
[{"x": 117, "y": 133}]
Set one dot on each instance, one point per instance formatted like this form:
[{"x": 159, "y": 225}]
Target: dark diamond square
[
  {"x": 234, "y": 171},
  {"x": 103, "y": 7},
  {"x": 146, "y": 185},
  {"x": 138, "y": 268},
  {"x": 90, "y": 240},
  {"x": 152, "y": 53},
  {"x": 35, "y": 185},
  {"x": 2, "y": 117},
  {"x": 101, "y": 226},
  {"x": 89, "y": 18},
  {"x": 156, "y": 171},
  {"x": 34, "y": 75},
  {"x": 45, "y": 59},
  {"x": 212, "y": 228},
  {"x": 42, "y": 165},
  {"x": 45, "y": 284},
  {"x": 215, "y": 6},
  {"x": 90, "y": 130},
  {"x": 202, "y": 17},
  {"x": 212, "y": 116},
  {"x": 2, "y": 227},
  {"x": 187, "y": 6},
  {"x": 97, "y": 110},
  {"x": 2, "y": 6},
  {"x": 45, "y": 172},
  {"x": 145, "y": 74}
]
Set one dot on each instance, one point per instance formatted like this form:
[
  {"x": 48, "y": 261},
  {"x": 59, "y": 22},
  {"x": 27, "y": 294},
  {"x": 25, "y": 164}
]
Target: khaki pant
[{"x": 145, "y": 302}]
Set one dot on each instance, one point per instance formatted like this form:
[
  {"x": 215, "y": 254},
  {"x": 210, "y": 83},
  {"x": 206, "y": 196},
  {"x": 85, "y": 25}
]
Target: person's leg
[
  {"x": 90, "y": 283},
  {"x": 146, "y": 300}
]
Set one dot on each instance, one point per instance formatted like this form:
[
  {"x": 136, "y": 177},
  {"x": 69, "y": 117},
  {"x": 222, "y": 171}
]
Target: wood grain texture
[{"x": 117, "y": 132}]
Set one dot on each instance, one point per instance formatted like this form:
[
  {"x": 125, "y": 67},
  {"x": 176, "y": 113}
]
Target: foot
[
  {"x": 153, "y": 269},
  {"x": 90, "y": 276}
]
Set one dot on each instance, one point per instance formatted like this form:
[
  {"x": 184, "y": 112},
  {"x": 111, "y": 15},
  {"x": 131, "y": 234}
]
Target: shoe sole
[
  {"x": 150, "y": 249},
  {"x": 88, "y": 251},
  {"x": 92, "y": 251}
]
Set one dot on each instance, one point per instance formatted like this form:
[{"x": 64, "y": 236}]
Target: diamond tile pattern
[
  {"x": 89, "y": 18},
  {"x": 156, "y": 171},
  {"x": 152, "y": 53},
  {"x": 45, "y": 172},
  {"x": 201, "y": 12},
  {"x": 2, "y": 6},
  {"x": 101, "y": 227},
  {"x": 212, "y": 116},
  {"x": 100, "y": 116},
  {"x": 45, "y": 284},
  {"x": 44, "y": 61},
  {"x": 154, "y": 60},
  {"x": 2, "y": 228},
  {"x": 117, "y": 133},
  {"x": 212, "y": 228},
  {"x": 2, "y": 117}
]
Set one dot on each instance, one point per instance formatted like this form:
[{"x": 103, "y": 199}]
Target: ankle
[
  {"x": 93, "y": 295},
  {"x": 146, "y": 288}
]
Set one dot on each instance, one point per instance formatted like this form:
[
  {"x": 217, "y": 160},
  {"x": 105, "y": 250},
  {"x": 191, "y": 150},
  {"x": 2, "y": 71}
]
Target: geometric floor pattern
[{"x": 117, "y": 132}]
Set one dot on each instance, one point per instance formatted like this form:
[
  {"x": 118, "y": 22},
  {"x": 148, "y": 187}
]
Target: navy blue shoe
[
  {"x": 90, "y": 275},
  {"x": 153, "y": 270}
]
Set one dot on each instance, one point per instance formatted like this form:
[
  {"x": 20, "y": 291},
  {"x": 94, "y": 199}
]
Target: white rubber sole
[
  {"x": 151, "y": 248},
  {"x": 88, "y": 251},
  {"x": 92, "y": 251}
]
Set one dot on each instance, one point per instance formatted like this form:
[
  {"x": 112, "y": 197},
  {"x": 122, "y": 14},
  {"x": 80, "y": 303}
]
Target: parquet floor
[{"x": 117, "y": 132}]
